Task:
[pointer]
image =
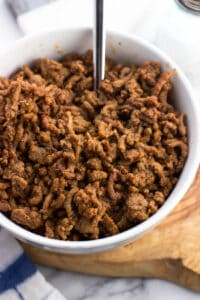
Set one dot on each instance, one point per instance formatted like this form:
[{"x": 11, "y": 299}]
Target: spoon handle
[{"x": 99, "y": 44}]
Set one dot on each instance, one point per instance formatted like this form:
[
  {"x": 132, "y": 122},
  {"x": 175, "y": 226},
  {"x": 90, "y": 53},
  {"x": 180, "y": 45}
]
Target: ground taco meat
[{"x": 75, "y": 165}]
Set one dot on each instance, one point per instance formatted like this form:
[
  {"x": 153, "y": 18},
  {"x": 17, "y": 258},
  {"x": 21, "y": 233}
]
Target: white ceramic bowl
[{"x": 127, "y": 49}]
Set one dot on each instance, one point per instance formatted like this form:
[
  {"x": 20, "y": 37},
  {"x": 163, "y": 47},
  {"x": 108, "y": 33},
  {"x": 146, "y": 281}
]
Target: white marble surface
[{"x": 82, "y": 287}]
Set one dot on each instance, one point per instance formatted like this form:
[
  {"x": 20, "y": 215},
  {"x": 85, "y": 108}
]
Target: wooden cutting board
[{"x": 171, "y": 251}]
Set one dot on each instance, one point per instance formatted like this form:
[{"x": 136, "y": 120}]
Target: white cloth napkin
[{"x": 19, "y": 278}]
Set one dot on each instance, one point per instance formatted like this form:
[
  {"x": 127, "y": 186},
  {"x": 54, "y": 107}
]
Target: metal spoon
[{"x": 99, "y": 44}]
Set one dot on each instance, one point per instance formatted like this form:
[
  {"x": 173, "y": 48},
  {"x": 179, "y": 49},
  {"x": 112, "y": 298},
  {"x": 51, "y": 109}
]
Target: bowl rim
[{"x": 132, "y": 233}]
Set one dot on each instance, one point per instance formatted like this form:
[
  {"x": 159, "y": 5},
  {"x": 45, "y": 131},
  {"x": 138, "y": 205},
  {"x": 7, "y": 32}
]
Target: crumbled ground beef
[{"x": 77, "y": 165}]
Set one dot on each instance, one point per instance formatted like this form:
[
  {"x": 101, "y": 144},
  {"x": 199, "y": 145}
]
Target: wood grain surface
[{"x": 171, "y": 251}]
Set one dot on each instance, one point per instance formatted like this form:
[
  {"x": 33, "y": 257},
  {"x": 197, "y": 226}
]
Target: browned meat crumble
[{"x": 75, "y": 165}]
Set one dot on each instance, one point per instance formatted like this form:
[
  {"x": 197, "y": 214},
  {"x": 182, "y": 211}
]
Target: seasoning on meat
[{"x": 76, "y": 165}]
